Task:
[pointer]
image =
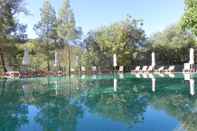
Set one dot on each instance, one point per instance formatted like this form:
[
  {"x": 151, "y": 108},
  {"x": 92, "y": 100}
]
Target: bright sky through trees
[{"x": 91, "y": 14}]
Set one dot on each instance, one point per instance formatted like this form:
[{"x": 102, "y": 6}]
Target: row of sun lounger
[
  {"x": 137, "y": 69},
  {"x": 94, "y": 69},
  {"x": 145, "y": 68},
  {"x": 151, "y": 69},
  {"x": 187, "y": 68},
  {"x": 17, "y": 74}
]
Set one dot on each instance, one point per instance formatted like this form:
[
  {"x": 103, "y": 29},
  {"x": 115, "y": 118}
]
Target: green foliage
[
  {"x": 9, "y": 26},
  {"x": 122, "y": 38},
  {"x": 11, "y": 31},
  {"x": 172, "y": 45},
  {"x": 46, "y": 30},
  {"x": 66, "y": 28},
  {"x": 189, "y": 20},
  {"x": 11, "y": 103},
  {"x": 46, "y": 26}
]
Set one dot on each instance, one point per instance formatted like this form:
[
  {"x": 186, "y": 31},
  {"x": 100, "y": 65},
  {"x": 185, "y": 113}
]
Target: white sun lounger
[
  {"x": 144, "y": 68},
  {"x": 150, "y": 69},
  {"x": 161, "y": 69},
  {"x": 171, "y": 68},
  {"x": 12, "y": 74},
  {"x": 137, "y": 69}
]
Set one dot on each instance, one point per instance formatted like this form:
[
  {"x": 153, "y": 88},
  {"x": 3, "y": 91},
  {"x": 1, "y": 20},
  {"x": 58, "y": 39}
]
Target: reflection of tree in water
[
  {"x": 181, "y": 107},
  {"x": 124, "y": 106},
  {"x": 130, "y": 101},
  {"x": 13, "y": 111},
  {"x": 174, "y": 98},
  {"x": 60, "y": 101},
  {"x": 57, "y": 111},
  {"x": 127, "y": 105}
]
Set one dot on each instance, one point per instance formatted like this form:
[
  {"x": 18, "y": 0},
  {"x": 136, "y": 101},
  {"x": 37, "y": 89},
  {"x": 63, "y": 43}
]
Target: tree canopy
[
  {"x": 46, "y": 29},
  {"x": 11, "y": 31},
  {"x": 189, "y": 20},
  {"x": 122, "y": 38},
  {"x": 172, "y": 45}
]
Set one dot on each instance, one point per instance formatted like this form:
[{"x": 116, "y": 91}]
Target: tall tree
[
  {"x": 122, "y": 38},
  {"x": 189, "y": 20},
  {"x": 172, "y": 45},
  {"x": 46, "y": 29},
  {"x": 10, "y": 28},
  {"x": 66, "y": 29}
]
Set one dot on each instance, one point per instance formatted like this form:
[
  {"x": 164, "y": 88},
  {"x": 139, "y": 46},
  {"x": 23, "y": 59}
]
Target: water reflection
[
  {"x": 188, "y": 78},
  {"x": 153, "y": 80},
  {"x": 160, "y": 74},
  {"x": 137, "y": 75},
  {"x": 121, "y": 75},
  {"x": 27, "y": 90},
  {"x": 115, "y": 84},
  {"x": 192, "y": 86},
  {"x": 94, "y": 77},
  {"x": 171, "y": 74},
  {"x": 13, "y": 110},
  {"x": 145, "y": 75},
  {"x": 99, "y": 102},
  {"x": 83, "y": 76}
]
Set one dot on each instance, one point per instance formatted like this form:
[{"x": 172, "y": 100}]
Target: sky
[{"x": 92, "y": 14}]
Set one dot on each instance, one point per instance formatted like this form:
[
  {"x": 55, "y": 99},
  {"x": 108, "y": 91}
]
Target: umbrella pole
[{"x": 114, "y": 63}]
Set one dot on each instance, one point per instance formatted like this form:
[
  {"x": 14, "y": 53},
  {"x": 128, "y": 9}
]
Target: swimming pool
[{"x": 118, "y": 102}]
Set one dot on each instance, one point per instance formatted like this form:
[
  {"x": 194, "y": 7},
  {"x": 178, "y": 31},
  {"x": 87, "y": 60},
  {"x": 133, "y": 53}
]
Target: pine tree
[
  {"x": 46, "y": 28},
  {"x": 66, "y": 29},
  {"x": 10, "y": 28}
]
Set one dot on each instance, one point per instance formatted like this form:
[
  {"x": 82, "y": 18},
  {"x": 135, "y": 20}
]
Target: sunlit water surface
[{"x": 119, "y": 102}]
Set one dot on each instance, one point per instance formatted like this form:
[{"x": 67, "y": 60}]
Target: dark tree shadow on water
[{"x": 13, "y": 111}]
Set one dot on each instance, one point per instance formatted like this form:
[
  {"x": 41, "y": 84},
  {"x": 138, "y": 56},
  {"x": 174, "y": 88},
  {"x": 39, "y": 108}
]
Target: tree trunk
[
  {"x": 69, "y": 61},
  {"x": 48, "y": 65},
  {"x": 48, "y": 57},
  {"x": 3, "y": 61}
]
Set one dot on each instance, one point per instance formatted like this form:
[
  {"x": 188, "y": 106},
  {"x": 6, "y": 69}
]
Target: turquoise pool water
[{"x": 120, "y": 102}]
